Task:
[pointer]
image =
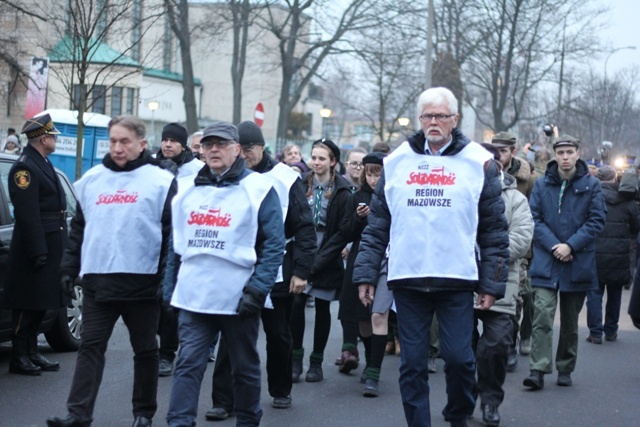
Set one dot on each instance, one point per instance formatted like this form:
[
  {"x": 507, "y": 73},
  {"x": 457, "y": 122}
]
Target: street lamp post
[
  {"x": 606, "y": 88},
  {"x": 325, "y": 113},
  {"x": 153, "y": 106}
]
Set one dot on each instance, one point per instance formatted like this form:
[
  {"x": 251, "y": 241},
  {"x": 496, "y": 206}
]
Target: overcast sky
[{"x": 624, "y": 30}]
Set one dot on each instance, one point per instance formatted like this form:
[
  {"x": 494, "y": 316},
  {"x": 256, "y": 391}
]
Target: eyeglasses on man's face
[
  {"x": 438, "y": 117},
  {"x": 219, "y": 143},
  {"x": 355, "y": 165}
]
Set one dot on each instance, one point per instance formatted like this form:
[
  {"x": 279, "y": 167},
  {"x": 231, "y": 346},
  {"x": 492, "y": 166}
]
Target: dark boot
[
  {"x": 296, "y": 365},
  {"x": 20, "y": 363},
  {"x": 69, "y": 421},
  {"x": 349, "y": 361},
  {"x": 535, "y": 380},
  {"x": 314, "y": 374},
  {"x": 37, "y": 358},
  {"x": 370, "y": 388}
]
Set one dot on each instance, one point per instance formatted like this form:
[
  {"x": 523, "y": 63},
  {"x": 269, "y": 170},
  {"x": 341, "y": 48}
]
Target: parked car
[{"x": 61, "y": 327}]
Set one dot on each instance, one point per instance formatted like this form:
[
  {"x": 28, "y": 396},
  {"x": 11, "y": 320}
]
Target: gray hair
[
  {"x": 438, "y": 97},
  {"x": 199, "y": 133},
  {"x": 130, "y": 122}
]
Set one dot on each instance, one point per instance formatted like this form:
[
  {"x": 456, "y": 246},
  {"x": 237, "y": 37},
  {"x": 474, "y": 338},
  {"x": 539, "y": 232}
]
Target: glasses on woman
[{"x": 355, "y": 165}]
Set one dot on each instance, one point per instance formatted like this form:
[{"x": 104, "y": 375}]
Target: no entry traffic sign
[{"x": 258, "y": 114}]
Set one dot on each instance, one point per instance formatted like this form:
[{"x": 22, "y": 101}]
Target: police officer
[{"x": 39, "y": 238}]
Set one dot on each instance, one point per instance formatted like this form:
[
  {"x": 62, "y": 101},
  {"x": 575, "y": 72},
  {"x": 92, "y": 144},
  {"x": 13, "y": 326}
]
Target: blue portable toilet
[{"x": 96, "y": 140}]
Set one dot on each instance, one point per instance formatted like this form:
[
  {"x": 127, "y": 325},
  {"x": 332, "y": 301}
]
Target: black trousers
[
  {"x": 492, "y": 352},
  {"x": 275, "y": 323},
  {"x": 141, "y": 319},
  {"x": 168, "y": 332}
]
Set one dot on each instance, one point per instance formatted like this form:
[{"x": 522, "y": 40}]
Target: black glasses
[
  {"x": 219, "y": 143},
  {"x": 438, "y": 117},
  {"x": 355, "y": 165}
]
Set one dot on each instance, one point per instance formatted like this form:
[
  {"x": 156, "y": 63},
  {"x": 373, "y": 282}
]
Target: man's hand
[
  {"x": 366, "y": 294},
  {"x": 67, "y": 284},
  {"x": 250, "y": 303},
  {"x": 297, "y": 285},
  {"x": 562, "y": 252},
  {"x": 484, "y": 301},
  {"x": 345, "y": 253},
  {"x": 39, "y": 262}
]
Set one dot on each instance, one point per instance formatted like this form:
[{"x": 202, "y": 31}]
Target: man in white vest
[
  {"x": 174, "y": 148},
  {"x": 439, "y": 203},
  {"x": 229, "y": 232},
  {"x": 292, "y": 277},
  {"x": 117, "y": 245}
]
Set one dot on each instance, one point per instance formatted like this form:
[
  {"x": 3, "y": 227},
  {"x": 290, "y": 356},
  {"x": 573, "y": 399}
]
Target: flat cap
[
  {"x": 566, "y": 141},
  {"x": 503, "y": 139},
  {"x": 39, "y": 126},
  {"x": 222, "y": 130}
]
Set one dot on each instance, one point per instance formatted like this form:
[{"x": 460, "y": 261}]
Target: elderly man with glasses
[
  {"x": 439, "y": 201},
  {"x": 228, "y": 230}
]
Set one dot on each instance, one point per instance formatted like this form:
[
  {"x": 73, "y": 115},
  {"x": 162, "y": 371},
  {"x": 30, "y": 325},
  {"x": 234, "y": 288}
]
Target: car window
[
  {"x": 68, "y": 192},
  {"x": 5, "y": 167}
]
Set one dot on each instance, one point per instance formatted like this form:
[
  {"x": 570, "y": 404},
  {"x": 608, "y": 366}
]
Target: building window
[
  {"x": 310, "y": 124},
  {"x": 76, "y": 97},
  {"x": 116, "y": 101},
  {"x": 131, "y": 95},
  {"x": 101, "y": 23},
  {"x": 99, "y": 99}
]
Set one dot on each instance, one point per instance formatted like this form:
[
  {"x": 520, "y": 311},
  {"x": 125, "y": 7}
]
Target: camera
[{"x": 548, "y": 129}]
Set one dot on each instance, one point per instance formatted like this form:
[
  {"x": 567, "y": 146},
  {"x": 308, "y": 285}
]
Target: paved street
[{"x": 605, "y": 391}]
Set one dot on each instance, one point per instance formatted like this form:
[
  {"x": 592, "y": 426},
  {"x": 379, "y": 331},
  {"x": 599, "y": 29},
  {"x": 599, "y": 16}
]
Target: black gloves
[
  {"x": 67, "y": 283},
  {"x": 250, "y": 303},
  {"x": 39, "y": 262}
]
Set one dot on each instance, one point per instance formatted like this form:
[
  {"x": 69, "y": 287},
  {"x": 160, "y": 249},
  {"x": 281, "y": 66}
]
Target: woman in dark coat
[
  {"x": 355, "y": 317},
  {"x": 327, "y": 193},
  {"x": 612, "y": 259}
]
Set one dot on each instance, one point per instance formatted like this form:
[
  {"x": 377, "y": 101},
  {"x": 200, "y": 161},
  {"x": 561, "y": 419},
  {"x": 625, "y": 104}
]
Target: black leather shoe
[
  {"x": 564, "y": 379},
  {"x": 349, "y": 362},
  {"x": 535, "y": 380},
  {"x": 512, "y": 359},
  {"x": 371, "y": 388},
  {"x": 70, "y": 421},
  {"x": 45, "y": 364},
  {"x": 218, "y": 414},
  {"x": 490, "y": 415},
  {"x": 141, "y": 422},
  {"x": 314, "y": 374},
  {"x": 23, "y": 366},
  {"x": 165, "y": 368},
  {"x": 281, "y": 402}
]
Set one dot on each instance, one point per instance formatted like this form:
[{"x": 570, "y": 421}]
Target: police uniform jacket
[{"x": 39, "y": 207}]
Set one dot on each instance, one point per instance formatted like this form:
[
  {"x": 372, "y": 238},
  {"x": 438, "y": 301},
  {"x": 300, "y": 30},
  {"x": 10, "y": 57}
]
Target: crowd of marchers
[{"x": 199, "y": 243}]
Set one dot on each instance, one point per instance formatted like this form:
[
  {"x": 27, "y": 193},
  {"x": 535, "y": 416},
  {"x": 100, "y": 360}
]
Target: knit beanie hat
[
  {"x": 607, "y": 174},
  {"x": 175, "y": 131},
  {"x": 249, "y": 133}
]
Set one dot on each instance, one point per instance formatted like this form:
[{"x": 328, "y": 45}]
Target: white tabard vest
[
  {"x": 123, "y": 214},
  {"x": 214, "y": 230},
  {"x": 190, "y": 168},
  {"x": 283, "y": 178},
  {"x": 433, "y": 201}
]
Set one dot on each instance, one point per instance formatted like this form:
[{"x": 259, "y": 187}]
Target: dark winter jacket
[
  {"x": 576, "y": 221},
  {"x": 119, "y": 286},
  {"x": 327, "y": 271},
  {"x": 613, "y": 244},
  {"x": 299, "y": 232},
  {"x": 492, "y": 234}
]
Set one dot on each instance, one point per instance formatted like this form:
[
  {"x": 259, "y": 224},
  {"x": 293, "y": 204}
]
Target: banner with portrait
[{"x": 37, "y": 88}]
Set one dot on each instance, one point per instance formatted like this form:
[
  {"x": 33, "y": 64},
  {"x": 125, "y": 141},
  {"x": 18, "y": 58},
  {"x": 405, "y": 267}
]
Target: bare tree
[
  {"x": 308, "y": 32},
  {"x": 85, "y": 71},
  {"x": 178, "y": 12}
]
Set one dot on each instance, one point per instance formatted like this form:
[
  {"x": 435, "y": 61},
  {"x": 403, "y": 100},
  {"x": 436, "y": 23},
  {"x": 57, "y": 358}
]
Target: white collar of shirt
[{"x": 440, "y": 151}]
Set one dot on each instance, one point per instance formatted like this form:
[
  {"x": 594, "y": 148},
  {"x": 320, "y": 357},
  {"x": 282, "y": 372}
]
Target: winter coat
[
  {"x": 613, "y": 244},
  {"x": 327, "y": 271},
  {"x": 516, "y": 210},
  {"x": 576, "y": 221},
  {"x": 492, "y": 235},
  {"x": 39, "y": 208},
  {"x": 120, "y": 286},
  {"x": 521, "y": 171},
  {"x": 298, "y": 230}
]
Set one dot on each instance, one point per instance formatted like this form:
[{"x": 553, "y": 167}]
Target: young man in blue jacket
[{"x": 569, "y": 212}]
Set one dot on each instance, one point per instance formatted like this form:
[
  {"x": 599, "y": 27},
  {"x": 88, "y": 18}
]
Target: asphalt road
[{"x": 605, "y": 391}]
